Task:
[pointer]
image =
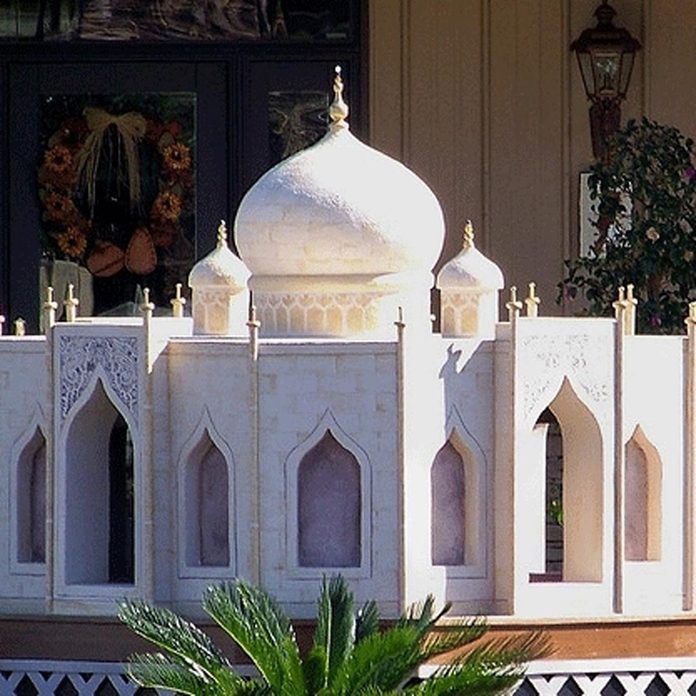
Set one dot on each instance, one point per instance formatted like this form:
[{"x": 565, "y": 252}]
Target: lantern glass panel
[
  {"x": 626, "y": 70},
  {"x": 607, "y": 73},
  {"x": 585, "y": 63}
]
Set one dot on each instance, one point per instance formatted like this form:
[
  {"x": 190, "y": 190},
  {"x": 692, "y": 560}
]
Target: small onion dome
[
  {"x": 469, "y": 285},
  {"x": 470, "y": 269},
  {"x": 221, "y": 268},
  {"x": 339, "y": 208},
  {"x": 219, "y": 291}
]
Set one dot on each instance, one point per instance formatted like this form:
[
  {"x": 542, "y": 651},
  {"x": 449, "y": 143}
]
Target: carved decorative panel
[
  {"x": 581, "y": 357},
  {"x": 80, "y": 356}
]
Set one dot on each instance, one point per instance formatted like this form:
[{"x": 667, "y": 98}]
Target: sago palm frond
[
  {"x": 367, "y": 620},
  {"x": 334, "y": 635},
  {"x": 380, "y": 661},
  {"x": 350, "y": 656},
  {"x": 184, "y": 641},
  {"x": 510, "y": 653},
  {"x": 261, "y": 629},
  {"x": 452, "y": 636},
  {"x": 157, "y": 671},
  {"x": 492, "y": 668},
  {"x": 463, "y": 680}
]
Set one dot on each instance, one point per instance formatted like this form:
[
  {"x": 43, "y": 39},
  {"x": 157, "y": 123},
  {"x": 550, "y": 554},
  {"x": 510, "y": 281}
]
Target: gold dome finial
[
  {"x": 338, "y": 111},
  {"x": 468, "y": 240},
  {"x": 222, "y": 234}
]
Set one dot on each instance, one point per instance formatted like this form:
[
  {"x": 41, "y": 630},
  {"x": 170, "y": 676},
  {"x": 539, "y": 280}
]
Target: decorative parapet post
[
  {"x": 621, "y": 312},
  {"x": 532, "y": 302},
  {"x": 20, "y": 327},
  {"x": 630, "y": 315},
  {"x": 513, "y": 306},
  {"x": 147, "y": 307},
  {"x": 70, "y": 303},
  {"x": 620, "y": 306},
  {"x": 625, "y": 310},
  {"x": 690, "y": 463},
  {"x": 49, "y": 307},
  {"x": 2, "y": 323},
  {"x": 178, "y": 303},
  {"x": 253, "y": 325}
]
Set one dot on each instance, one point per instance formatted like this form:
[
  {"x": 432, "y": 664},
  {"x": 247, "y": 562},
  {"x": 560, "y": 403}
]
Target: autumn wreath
[{"x": 113, "y": 189}]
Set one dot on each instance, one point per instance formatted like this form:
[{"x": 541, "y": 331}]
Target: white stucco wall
[
  {"x": 305, "y": 389},
  {"x": 653, "y": 399},
  {"x": 24, "y": 407}
]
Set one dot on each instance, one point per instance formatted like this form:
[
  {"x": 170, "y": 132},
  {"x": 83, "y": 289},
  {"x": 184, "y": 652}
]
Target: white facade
[{"x": 154, "y": 456}]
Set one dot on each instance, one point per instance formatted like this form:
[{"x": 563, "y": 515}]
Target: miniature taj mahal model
[{"x": 306, "y": 420}]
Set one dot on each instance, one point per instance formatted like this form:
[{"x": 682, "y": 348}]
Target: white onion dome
[
  {"x": 336, "y": 208},
  {"x": 470, "y": 269},
  {"x": 221, "y": 268}
]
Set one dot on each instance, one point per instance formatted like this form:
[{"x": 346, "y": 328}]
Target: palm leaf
[
  {"x": 335, "y": 631},
  {"x": 456, "y": 680},
  {"x": 380, "y": 661},
  {"x": 261, "y": 629},
  {"x": 156, "y": 671},
  {"x": 492, "y": 668},
  {"x": 509, "y": 653},
  {"x": 422, "y": 615},
  {"x": 314, "y": 669},
  {"x": 180, "y": 638},
  {"x": 452, "y": 636},
  {"x": 367, "y": 620}
]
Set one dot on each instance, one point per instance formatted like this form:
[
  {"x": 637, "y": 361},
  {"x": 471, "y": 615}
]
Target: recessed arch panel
[
  {"x": 643, "y": 499},
  {"x": 207, "y": 506},
  {"x": 30, "y": 500},
  {"x": 329, "y": 506}
]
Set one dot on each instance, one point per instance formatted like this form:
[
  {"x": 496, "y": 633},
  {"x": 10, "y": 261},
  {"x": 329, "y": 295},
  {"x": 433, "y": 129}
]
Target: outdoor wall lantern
[{"x": 606, "y": 55}]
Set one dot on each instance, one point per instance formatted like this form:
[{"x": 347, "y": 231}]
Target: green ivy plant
[{"x": 650, "y": 243}]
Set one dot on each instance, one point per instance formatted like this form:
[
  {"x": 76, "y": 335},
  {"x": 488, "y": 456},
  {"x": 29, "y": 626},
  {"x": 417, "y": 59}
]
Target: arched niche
[
  {"x": 582, "y": 484},
  {"x": 30, "y": 497},
  {"x": 642, "y": 499},
  {"x": 99, "y": 494},
  {"x": 454, "y": 504},
  {"x": 207, "y": 499},
  {"x": 329, "y": 506}
]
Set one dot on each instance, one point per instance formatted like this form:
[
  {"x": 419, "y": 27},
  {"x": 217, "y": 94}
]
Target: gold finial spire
[
  {"x": 253, "y": 325},
  {"x": 70, "y": 303},
  {"x": 631, "y": 304},
  {"x": 49, "y": 306},
  {"x": 222, "y": 234},
  {"x": 147, "y": 307},
  {"x": 514, "y": 306},
  {"x": 178, "y": 303},
  {"x": 338, "y": 111},
  {"x": 619, "y": 304},
  {"x": 468, "y": 239},
  {"x": 532, "y": 302}
]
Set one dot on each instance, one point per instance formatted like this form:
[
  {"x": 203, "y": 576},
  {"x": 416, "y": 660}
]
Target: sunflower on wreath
[{"x": 68, "y": 189}]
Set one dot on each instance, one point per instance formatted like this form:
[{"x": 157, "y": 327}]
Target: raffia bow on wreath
[{"x": 130, "y": 130}]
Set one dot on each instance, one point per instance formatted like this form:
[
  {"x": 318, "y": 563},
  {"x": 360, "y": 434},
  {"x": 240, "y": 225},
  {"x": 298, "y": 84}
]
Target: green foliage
[
  {"x": 350, "y": 655},
  {"x": 654, "y": 246}
]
